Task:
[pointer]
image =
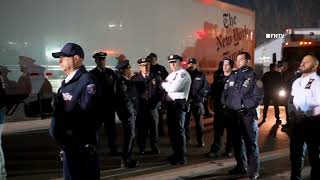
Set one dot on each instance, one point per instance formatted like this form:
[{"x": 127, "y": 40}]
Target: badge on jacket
[{"x": 91, "y": 88}]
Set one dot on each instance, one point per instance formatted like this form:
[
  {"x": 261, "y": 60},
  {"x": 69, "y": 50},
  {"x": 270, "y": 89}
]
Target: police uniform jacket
[
  {"x": 217, "y": 87},
  {"x": 160, "y": 70},
  {"x": 177, "y": 85},
  {"x": 148, "y": 89},
  {"x": 126, "y": 96},
  {"x": 243, "y": 90},
  {"x": 199, "y": 87},
  {"x": 106, "y": 80},
  {"x": 73, "y": 120}
]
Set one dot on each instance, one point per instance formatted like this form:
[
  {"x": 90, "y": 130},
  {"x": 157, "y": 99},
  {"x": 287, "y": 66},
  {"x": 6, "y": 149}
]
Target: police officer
[
  {"x": 106, "y": 79},
  {"x": 155, "y": 67},
  {"x": 271, "y": 84},
  {"x": 304, "y": 109},
  {"x": 74, "y": 126},
  {"x": 177, "y": 86},
  {"x": 126, "y": 110},
  {"x": 221, "y": 120},
  {"x": 242, "y": 94},
  {"x": 163, "y": 73},
  {"x": 149, "y": 101},
  {"x": 198, "y": 92}
]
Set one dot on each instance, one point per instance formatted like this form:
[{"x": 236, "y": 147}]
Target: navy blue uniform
[
  {"x": 242, "y": 95},
  {"x": 159, "y": 70},
  {"x": 126, "y": 110},
  {"x": 74, "y": 125},
  {"x": 163, "y": 73},
  {"x": 106, "y": 79},
  {"x": 221, "y": 120},
  {"x": 198, "y": 91},
  {"x": 149, "y": 101}
]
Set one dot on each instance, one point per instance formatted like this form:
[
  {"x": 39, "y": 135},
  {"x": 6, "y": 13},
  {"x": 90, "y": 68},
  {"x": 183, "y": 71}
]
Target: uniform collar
[
  {"x": 312, "y": 75},
  {"x": 100, "y": 70},
  {"x": 75, "y": 74},
  {"x": 70, "y": 76}
]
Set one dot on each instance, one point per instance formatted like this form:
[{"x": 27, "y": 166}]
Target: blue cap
[
  {"x": 174, "y": 58},
  {"x": 123, "y": 64},
  {"x": 69, "y": 50},
  {"x": 192, "y": 61}
]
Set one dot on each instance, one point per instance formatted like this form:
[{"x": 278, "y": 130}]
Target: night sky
[{"x": 274, "y": 16}]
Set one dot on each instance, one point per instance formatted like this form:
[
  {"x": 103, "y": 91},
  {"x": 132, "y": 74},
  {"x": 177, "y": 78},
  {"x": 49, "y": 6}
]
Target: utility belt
[{"x": 181, "y": 104}]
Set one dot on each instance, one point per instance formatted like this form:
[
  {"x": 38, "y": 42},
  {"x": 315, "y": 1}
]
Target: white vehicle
[
  {"x": 207, "y": 30},
  {"x": 295, "y": 44}
]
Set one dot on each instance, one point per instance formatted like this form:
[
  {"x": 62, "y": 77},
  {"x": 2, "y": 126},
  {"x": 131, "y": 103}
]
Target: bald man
[{"x": 304, "y": 109}]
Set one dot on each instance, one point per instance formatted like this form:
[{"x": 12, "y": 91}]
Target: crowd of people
[{"x": 139, "y": 99}]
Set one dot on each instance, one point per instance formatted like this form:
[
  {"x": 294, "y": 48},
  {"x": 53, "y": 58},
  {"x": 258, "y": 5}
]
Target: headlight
[{"x": 282, "y": 93}]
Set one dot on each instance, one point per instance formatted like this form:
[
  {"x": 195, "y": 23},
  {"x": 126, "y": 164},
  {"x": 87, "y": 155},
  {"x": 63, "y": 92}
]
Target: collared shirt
[
  {"x": 70, "y": 76},
  {"x": 177, "y": 85},
  {"x": 306, "y": 94}
]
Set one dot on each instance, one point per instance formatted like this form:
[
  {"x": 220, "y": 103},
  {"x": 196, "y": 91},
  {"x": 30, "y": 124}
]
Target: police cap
[
  {"x": 123, "y": 65},
  {"x": 174, "y": 58},
  {"x": 143, "y": 60},
  {"x": 100, "y": 55},
  {"x": 69, "y": 50},
  {"x": 192, "y": 61},
  {"x": 152, "y": 55}
]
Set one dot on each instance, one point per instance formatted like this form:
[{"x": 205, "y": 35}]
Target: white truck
[
  {"x": 207, "y": 30},
  {"x": 291, "y": 48}
]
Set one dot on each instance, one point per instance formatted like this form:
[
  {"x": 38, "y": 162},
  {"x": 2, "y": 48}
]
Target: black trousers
[
  {"x": 244, "y": 134},
  {"x": 197, "y": 109},
  {"x": 266, "y": 102},
  {"x": 128, "y": 119},
  {"x": 175, "y": 122},
  {"x": 80, "y": 163},
  {"x": 305, "y": 135},
  {"x": 147, "y": 125},
  {"x": 109, "y": 124},
  {"x": 220, "y": 123}
]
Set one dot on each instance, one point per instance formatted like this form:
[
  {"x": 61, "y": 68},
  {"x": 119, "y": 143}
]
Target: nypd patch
[
  {"x": 183, "y": 75},
  {"x": 91, "y": 89}
]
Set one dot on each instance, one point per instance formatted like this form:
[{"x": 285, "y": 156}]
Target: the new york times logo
[{"x": 274, "y": 36}]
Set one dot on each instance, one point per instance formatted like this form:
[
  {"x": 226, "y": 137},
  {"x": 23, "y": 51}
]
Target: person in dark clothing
[
  {"x": 157, "y": 68},
  {"x": 149, "y": 101},
  {"x": 160, "y": 70},
  {"x": 221, "y": 120},
  {"x": 198, "y": 91},
  {"x": 106, "y": 79},
  {"x": 271, "y": 85},
  {"x": 126, "y": 109},
  {"x": 289, "y": 75},
  {"x": 242, "y": 95},
  {"x": 74, "y": 123}
]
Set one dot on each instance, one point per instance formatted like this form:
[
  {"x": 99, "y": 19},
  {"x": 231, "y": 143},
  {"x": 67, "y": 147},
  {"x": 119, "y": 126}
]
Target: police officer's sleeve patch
[
  {"x": 259, "y": 83},
  {"x": 91, "y": 88},
  {"x": 183, "y": 75}
]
